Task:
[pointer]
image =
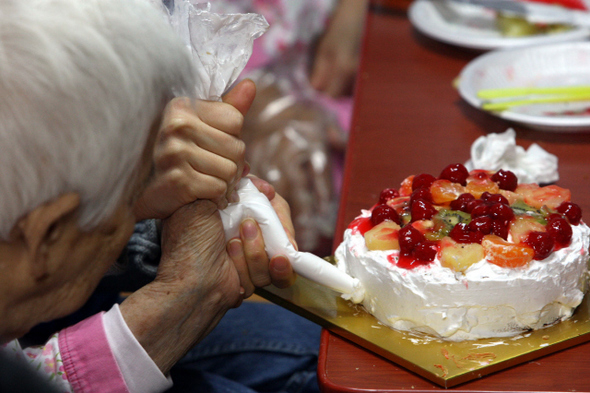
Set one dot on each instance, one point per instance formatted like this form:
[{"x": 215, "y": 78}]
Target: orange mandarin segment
[
  {"x": 476, "y": 187},
  {"x": 505, "y": 254},
  {"x": 445, "y": 191}
]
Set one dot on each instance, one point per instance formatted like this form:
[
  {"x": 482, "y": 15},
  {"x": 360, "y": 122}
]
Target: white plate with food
[
  {"x": 475, "y": 27},
  {"x": 540, "y": 68}
]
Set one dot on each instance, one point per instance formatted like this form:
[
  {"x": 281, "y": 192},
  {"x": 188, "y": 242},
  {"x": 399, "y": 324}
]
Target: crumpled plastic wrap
[
  {"x": 500, "y": 151},
  {"x": 290, "y": 141},
  {"x": 221, "y": 46}
]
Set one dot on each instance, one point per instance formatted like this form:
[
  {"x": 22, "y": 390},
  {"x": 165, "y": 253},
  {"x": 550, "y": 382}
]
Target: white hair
[{"x": 81, "y": 82}]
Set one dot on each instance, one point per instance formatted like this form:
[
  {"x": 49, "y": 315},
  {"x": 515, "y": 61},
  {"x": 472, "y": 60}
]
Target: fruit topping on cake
[{"x": 463, "y": 217}]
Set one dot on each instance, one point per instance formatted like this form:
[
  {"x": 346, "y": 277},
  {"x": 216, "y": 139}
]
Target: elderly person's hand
[
  {"x": 198, "y": 153},
  {"x": 200, "y": 277}
]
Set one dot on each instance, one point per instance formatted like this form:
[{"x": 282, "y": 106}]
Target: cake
[{"x": 469, "y": 255}]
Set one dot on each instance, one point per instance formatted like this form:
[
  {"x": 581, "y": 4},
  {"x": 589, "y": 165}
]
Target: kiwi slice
[
  {"x": 520, "y": 208},
  {"x": 444, "y": 221}
]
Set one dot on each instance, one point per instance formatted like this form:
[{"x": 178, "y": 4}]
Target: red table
[{"x": 409, "y": 119}]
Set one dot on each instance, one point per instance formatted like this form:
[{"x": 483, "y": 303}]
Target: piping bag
[{"x": 221, "y": 46}]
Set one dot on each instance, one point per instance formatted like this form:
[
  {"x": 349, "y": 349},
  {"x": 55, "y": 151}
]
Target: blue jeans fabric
[{"x": 258, "y": 347}]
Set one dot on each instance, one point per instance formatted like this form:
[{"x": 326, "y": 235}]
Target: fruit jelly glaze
[{"x": 430, "y": 215}]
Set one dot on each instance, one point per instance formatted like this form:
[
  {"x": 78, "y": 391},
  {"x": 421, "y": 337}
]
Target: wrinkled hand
[
  {"x": 196, "y": 232},
  {"x": 195, "y": 286},
  {"x": 200, "y": 277},
  {"x": 198, "y": 153},
  {"x": 336, "y": 60}
]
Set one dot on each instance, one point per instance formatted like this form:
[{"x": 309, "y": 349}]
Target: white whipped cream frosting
[{"x": 484, "y": 301}]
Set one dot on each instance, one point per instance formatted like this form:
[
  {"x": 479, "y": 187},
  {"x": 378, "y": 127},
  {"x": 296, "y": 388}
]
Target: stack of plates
[
  {"x": 472, "y": 26},
  {"x": 560, "y": 59}
]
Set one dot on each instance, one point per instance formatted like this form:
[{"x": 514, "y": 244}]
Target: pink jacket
[{"x": 99, "y": 354}]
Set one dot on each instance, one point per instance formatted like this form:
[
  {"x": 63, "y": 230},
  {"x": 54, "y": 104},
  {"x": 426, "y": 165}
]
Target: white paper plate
[
  {"x": 561, "y": 64},
  {"x": 474, "y": 27}
]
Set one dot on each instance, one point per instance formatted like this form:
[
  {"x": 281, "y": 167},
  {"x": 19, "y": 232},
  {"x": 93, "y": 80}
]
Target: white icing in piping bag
[{"x": 254, "y": 204}]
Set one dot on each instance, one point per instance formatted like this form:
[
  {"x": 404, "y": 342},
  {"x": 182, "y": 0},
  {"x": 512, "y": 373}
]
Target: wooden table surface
[{"x": 408, "y": 119}]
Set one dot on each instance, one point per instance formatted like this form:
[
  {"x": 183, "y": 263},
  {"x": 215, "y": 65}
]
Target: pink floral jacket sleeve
[
  {"x": 70, "y": 359},
  {"x": 99, "y": 354}
]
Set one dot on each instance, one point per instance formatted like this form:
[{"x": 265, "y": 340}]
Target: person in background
[
  {"x": 88, "y": 121},
  {"x": 336, "y": 59}
]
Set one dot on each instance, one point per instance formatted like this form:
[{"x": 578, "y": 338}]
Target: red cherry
[
  {"x": 553, "y": 216},
  {"x": 485, "y": 196},
  {"x": 409, "y": 237},
  {"x": 462, "y": 202},
  {"x": 471, "y": 205},
  {"x": 560, "y": 230},
  {"x": 421, "y": 193},
  {"x": 425, "y": 251},
  {"x": 384, "y": 212},
  {"x": 480, "y": 175},
  {"x": 481, "y": 224},
  {"x": 542, "y": 243},
  {"x": 500, "y": 228},
  {"x": 476, "y": 237},
  {"x": 461, "y": 233},
  {"x": 498, "y": 211},
  {"x": 422, "y": 210},
  {"x": 387, "y": 194},
  {"x": 506, "y": 180},
  {"x": 494, "y": 198},
  {"x": 457, "y": 173},
  {"x": 422, "y": 180},
  {"x": 571, "y": 211},
  {"x": 405, "y": 253},
  {"x": 480, "y": 208}
]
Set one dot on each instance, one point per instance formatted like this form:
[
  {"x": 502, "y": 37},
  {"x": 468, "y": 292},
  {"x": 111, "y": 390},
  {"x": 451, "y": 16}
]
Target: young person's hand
[{"x": 198, "y": 154}]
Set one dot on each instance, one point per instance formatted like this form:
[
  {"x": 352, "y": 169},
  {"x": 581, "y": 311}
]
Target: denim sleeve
[{"x": 138, "y": 263}]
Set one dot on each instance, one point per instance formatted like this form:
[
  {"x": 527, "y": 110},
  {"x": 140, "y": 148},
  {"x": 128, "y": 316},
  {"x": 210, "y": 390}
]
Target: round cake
[{"x": 469, "y": 255}]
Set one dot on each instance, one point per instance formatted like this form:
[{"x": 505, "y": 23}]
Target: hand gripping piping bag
[{"x": 221, "y": 46}]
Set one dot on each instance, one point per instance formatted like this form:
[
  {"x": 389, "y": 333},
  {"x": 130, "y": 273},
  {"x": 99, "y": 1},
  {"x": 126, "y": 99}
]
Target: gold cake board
[{"x": 444, "y": 363}]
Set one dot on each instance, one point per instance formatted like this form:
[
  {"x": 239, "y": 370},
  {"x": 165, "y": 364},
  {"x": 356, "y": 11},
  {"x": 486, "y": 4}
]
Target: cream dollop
[{"x": 500, "y": 151}]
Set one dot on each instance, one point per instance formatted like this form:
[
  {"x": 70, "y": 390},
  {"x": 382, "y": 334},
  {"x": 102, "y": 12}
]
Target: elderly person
[{"x": 91, "y": 142}]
